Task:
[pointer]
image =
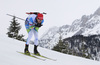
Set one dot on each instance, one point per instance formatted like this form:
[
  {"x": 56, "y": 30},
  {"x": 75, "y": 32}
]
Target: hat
[{"x": 40, "y": 16}]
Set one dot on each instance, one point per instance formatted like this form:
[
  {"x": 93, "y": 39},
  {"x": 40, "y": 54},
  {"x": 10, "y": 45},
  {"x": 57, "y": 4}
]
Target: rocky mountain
[
  {"x": 86, "y": 26},
  {"x": 52, "y": 36}
]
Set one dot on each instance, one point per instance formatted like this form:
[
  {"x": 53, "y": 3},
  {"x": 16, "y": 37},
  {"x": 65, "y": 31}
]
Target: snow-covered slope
[
  {"x": 9, "y": 56},
  {"x": 86, "y": 25}
]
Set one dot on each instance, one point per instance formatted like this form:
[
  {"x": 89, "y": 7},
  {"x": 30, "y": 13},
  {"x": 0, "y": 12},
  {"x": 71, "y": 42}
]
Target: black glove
[{"x": 38, "y": 25}]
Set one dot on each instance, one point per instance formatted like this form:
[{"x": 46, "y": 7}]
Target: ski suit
[{"x": 31, "y": 28}]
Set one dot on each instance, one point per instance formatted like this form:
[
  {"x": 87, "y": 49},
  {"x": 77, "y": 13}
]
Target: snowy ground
[{"x": 9, "y": 56}]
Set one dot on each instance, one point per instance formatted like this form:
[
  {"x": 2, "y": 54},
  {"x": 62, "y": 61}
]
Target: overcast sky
[{"x": 59, "y": 12}]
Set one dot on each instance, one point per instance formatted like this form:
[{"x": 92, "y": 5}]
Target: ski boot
[
  {"x": 35, "y": 50},
  {"x": 26, "y": 50}
]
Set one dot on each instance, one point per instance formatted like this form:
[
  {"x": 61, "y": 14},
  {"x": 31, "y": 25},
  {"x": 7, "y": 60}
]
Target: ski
[
  {"x": 43, "y": 56},
  {"x": 32, "y": 56}
]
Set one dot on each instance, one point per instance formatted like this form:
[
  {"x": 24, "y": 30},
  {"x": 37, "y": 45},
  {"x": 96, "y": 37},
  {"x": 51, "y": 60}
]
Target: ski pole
[{"x": 16, "y": 17}]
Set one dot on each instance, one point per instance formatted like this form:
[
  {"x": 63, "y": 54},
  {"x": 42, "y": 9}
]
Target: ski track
[{"x": 9, "y": 56}]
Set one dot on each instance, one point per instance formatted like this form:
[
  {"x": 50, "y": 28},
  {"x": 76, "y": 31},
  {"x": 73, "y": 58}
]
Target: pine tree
[
  {"x": 13, "y": 30},
  {"x": 59, "y": 46}
]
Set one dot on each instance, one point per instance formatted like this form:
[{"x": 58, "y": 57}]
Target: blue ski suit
[{"x": 31, "y": 28}]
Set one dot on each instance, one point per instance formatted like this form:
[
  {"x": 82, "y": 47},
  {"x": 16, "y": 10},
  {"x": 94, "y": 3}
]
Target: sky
[{"x": 59, "y": 12}]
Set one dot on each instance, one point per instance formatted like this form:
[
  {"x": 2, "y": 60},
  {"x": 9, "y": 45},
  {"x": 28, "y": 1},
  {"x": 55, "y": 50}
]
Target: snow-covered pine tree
[{"x": 13, "y": 30}]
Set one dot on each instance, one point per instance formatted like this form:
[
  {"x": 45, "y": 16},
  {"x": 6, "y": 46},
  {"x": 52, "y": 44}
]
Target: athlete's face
[{"x": 39, "y": 21}]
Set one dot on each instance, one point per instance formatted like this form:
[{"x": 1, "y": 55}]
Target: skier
[{"x": 33, "y": 22}]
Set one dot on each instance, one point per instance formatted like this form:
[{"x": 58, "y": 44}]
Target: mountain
[
  {"x": 9, "y": 56},
  {"x": 97, "y": 12},
  {"x": 87, "y": 25},
  {"x": 51, "y": 37}
]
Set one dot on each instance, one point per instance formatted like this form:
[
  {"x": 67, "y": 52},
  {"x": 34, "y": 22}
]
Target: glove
[{"x": 38, "y": 25}]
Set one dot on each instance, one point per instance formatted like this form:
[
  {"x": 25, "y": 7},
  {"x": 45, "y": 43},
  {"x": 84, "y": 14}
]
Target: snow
[
  {"x": 96, "y": 29},
  {"x": 9, "y": 56}
]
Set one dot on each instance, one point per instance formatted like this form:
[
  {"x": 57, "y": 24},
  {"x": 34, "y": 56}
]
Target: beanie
[{"x": 40, "y": 16}]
